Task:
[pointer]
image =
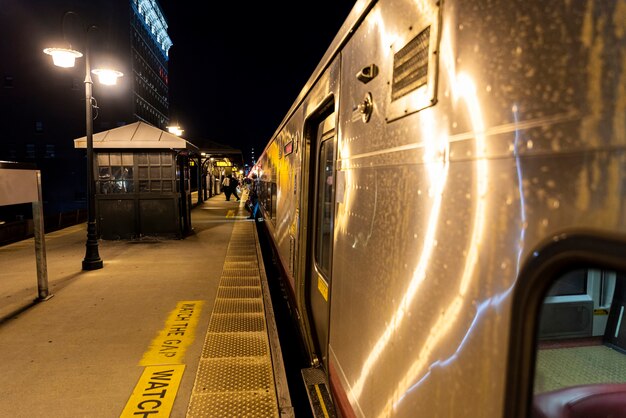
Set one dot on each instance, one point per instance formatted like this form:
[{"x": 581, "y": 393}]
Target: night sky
[{"x": 235, "y": 71}]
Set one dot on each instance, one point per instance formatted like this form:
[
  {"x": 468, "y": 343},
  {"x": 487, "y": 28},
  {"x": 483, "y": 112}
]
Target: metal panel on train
[{"x": 470, "y": 135}]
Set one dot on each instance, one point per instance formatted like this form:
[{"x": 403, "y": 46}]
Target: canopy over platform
[{"x": 138, "y": 135}]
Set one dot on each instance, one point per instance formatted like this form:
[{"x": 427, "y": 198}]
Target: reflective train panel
[{"x": 447, "y": 200}]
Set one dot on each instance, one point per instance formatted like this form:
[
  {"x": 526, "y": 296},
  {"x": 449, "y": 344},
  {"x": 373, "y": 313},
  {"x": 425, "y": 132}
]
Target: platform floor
[{"x": 177, "y": 327}]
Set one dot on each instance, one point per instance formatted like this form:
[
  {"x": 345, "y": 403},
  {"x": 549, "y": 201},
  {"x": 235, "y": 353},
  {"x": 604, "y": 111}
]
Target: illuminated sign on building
[{"x": 155, "y": 23}]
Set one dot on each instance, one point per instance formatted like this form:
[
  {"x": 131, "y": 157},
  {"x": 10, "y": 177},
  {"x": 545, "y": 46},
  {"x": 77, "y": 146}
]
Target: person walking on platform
[
  {"x": 226, "y": 186},
  {"x": 253, "y": 197},
  {"x": 234, "y": 183}
]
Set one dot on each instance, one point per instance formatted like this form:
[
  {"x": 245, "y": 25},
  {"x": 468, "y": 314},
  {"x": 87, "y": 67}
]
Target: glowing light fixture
[
  {"x": 175, "y": 129},
  {"x": 66, "y": 57},
  {"x": 63, "y": 57},
  {"x": 107, "y": 77}
]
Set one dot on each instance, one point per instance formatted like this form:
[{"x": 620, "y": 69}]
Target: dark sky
[{"x": 236, "y": 69}]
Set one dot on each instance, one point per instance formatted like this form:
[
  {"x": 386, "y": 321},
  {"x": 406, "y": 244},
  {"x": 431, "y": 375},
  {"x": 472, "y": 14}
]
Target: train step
[{"x": 317, "y": 391}]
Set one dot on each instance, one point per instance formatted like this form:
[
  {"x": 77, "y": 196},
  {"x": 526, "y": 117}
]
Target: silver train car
[{"x": 447, "y": 200}]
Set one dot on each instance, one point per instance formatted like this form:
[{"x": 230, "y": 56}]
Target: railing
[{"x": 23, "y": 229}]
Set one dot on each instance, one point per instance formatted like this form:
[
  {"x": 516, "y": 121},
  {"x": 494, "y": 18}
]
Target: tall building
[
  {"x": 42, "y": 107},
  {"x": 149, "y": 46}
]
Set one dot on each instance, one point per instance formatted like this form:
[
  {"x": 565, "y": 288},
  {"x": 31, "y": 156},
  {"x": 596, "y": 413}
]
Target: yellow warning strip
[
  {"x": 155, "y": 392},
  {"x": 322, "y": 404},
  {"x": 170, "y": 345}
]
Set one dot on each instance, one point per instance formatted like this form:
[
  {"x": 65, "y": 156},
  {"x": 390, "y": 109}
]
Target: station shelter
[{"x": 142, "y": 182}]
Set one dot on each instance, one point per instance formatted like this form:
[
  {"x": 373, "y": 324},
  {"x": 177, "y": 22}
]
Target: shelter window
[
  {"x": 156, "y": 172},
  {"x": 115, "y": 173}
]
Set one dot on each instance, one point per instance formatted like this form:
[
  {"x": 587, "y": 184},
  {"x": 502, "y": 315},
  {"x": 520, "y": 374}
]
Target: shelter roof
[{"x": 136, "y": 135}]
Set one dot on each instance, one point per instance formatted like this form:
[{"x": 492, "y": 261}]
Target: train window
[
  {"x": 325, "y": 199},
  {"x": 580, "y": 356},
  {"x": 572, "y": 283}
]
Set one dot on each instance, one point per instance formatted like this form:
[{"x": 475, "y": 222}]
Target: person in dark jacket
[
  {"x": 253, "y": 197},
  {"x": 233, "y": 187}
]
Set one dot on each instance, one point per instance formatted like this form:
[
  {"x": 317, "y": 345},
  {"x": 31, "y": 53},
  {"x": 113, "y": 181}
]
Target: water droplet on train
[{"x": 553, "y": 203}]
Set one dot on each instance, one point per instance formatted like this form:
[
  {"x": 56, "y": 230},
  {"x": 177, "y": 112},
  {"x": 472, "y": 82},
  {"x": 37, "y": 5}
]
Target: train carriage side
[{"x": 449, "y": 209}]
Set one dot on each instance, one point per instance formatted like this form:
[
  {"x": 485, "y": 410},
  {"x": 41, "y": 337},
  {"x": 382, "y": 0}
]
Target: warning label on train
[
  {"x": 155, "y": 392},
  {"x": 170, "y": 345}
]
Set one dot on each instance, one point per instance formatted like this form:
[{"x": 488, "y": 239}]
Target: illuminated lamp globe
[
  {"x": 175, "y": 130},
  {"x": 107, "y": 77},
  {"x": 63, "y": 57}
]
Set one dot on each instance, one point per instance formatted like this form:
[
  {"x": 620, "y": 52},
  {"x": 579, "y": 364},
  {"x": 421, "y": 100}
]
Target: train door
[{"x": 321, "y": 226}]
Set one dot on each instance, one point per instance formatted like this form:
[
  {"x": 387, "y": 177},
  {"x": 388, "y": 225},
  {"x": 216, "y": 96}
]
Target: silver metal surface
[
  {"x": 241, "y": 344},
  {"x": 313, "y": 376},
  {"x": 315, "y": 381},
  {"x": 228, "y": 405},
  {"x": 439, "y": 208}
]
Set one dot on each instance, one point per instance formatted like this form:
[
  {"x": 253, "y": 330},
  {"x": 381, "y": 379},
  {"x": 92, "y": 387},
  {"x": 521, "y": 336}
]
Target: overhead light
[
  {"x": 175, "y": 129},
  {"x": 107, "y": 77},
  {"x": 63, "y": 57}
]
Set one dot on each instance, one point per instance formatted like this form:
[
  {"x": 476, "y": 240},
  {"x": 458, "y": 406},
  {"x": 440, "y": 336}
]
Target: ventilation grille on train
[{"x": 410, "y": 66}]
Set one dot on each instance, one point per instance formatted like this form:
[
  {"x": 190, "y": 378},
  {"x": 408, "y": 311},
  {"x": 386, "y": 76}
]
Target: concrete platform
[{"x": 78, "y": 354}]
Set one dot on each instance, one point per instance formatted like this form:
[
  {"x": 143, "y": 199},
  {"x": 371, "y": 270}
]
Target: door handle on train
[
  {"x": 364, "y": 109},
  {"x": 367, "y": 74}
]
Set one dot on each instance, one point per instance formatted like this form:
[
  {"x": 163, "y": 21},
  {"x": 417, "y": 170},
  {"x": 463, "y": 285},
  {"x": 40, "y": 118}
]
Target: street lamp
[
  {"x": 65, "y": 57},
  {"x": 175, "y": 129}
]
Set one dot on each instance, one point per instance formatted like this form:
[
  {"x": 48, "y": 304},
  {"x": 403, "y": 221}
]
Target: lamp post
[{"x": 65, "y": 57}]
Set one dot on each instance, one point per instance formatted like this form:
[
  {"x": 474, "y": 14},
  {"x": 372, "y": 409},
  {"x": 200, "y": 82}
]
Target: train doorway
[{"x": 321, "y": 226}]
